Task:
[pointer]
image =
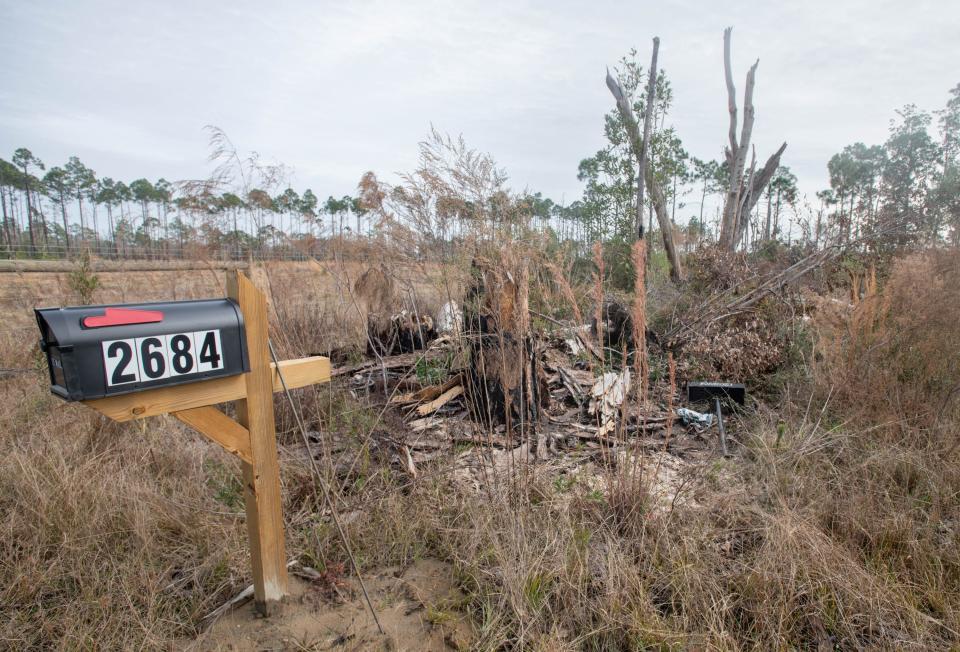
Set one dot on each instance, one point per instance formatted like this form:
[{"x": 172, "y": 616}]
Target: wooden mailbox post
[{"x": 252, "y": 437}]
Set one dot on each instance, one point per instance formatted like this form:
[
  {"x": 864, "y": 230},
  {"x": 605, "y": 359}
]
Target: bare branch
[
  {"x": 748, "y": 110},
  {"x": 731, "y": 91},
  {"x": 763, "y": 177},
  {"x": 623, "y": 106}
]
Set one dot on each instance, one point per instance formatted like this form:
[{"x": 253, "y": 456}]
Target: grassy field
[{"x": 833, "y": 526}]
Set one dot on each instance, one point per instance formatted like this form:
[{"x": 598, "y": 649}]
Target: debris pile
[
  {"x": 586, "y": 415},
  {"x": 481, "y": 382}
]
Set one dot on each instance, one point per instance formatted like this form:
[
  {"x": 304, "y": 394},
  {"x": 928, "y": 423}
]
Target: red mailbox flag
[{"x": 123, "y": 317}]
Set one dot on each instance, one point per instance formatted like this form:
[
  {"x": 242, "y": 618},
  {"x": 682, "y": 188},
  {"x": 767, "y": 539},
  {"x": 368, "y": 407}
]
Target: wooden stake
[{"x": 262, "y": 477}]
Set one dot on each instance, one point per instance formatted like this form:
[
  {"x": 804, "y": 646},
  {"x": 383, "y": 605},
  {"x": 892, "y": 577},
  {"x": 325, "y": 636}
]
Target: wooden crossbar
[{"x": 152, "y": 402}]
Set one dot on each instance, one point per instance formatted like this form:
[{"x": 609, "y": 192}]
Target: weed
[
  {"x": 536, "y": 588},
  {"x": 596, "y": 496},
  {"x": 438, "y": 616},
  {"x": 82, "y": 279},
  {"x": 225, "y": 484},
  {"x": 563, "y": 483},
  {"x": 433, "y": 371}
]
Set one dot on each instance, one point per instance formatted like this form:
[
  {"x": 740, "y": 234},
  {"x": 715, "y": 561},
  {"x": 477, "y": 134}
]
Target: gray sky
[{"x": 336, "y": 88}]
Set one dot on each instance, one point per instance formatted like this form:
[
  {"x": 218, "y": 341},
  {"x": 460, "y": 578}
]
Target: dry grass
[
  {"x": 896, "y": 357},
  {"x": 110, "y": 536},
  {"x": 826, "y": 533},
  {"x": 836, "y": 527}
]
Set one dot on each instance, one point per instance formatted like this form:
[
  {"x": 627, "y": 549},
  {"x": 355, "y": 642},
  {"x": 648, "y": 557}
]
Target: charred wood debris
[{"x": 478, "y": 376}]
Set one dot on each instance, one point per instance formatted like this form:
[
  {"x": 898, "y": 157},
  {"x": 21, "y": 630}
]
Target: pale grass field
[{"x": 835, "y": 526}]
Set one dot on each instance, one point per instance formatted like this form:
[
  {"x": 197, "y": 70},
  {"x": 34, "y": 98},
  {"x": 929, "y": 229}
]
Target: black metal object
[
  {"x": 715, "y": 393},
  {"x": 697, "y": 392},
  {"x": 723, "y": 433},
  {"x": 98, "y": 351}
]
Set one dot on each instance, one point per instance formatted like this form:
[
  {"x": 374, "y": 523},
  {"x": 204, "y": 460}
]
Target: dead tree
[
  {"x": 645, "y": 145},
  {"x": 742, "y": 195},
  {"x": 656, "y": 192}
]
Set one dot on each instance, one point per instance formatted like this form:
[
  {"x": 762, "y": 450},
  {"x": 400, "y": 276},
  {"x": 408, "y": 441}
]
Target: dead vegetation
[
  {"x": 547, "y": 470},
  {"x": 826, "y": 529},
  {"x": 113, "y": 536},
  {"x": 833, "y": 524}
]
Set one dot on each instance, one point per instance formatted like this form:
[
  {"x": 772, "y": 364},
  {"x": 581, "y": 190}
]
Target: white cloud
[{"x": 334, "y": 89}]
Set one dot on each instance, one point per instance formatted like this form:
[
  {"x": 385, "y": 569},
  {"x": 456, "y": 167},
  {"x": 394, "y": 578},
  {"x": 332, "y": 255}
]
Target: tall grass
[
  {"x": 836, "y": 526},
  {"x": 110, "y": 536}
]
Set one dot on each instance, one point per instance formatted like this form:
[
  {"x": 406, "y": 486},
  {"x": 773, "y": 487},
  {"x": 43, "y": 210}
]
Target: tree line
[
  {"x": 908, "y": 186},
  {"x": 65, "y": 208}
]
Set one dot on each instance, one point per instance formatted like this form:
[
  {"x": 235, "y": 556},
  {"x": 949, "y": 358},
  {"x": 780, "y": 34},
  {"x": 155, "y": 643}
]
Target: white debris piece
[
  {"x": 608, "y": 394},
  {"x": 574, "y": 345},
  {"x": 697, "y": 418},
  {"x": 449, "y": 319}
]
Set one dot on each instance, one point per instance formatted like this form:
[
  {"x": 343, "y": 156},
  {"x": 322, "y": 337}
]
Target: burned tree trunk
[
  {"x": 741, "y": 196},
  {"x": 506, "y": 384},
  {"x": 656, "y": 192},
  {"x": 614, "y": 326},
  {"x": 403, "y": 332}
]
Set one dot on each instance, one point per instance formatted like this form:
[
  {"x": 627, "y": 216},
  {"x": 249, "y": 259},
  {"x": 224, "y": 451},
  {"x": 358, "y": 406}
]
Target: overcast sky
[{"x": 333, "y": 89}]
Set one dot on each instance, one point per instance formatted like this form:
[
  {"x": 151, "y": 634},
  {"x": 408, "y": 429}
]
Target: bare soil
[{"x": 416, "y": 607}]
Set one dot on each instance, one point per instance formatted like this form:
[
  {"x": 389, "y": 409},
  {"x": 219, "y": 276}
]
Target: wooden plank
[
  {"x": 440, "y": 401},
  {"x": 220, "y": 428},
  {"x": 151, "y": 402},
  {"x": 427, "y": 393},
  {"x": 262, "y": 477}
]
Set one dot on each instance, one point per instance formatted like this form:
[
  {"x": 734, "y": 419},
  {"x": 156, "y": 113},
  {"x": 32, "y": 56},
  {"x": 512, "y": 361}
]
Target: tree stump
[
  {"x": 403, "y": 332},
  {"x": 615, "y": 331},
  {"x": 506, "y": 383}
]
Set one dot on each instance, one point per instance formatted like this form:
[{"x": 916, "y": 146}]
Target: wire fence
[{"x": 57, "y": 252}]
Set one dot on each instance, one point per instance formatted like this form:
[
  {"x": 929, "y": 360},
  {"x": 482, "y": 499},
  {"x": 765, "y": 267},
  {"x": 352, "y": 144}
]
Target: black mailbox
[{"x": 97, "y": 351}]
